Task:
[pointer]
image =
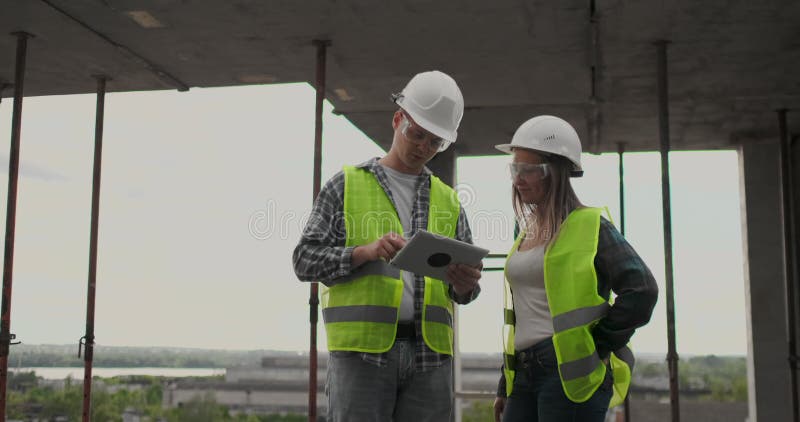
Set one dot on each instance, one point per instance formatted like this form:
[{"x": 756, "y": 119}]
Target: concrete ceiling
[{"x": 731, "y": 64}]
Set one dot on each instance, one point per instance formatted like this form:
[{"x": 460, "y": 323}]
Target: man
[{"x": 389, "y": 333}]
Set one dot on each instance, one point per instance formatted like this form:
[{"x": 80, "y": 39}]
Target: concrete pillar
[
  {"x": 769, "y": 384},
  {"x": 795, "y": 154},
  {"x": 443, "y": 165}
]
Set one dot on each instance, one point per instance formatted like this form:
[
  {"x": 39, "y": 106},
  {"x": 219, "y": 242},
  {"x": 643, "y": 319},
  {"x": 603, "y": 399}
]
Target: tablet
[{"x": 429, "y": 254}]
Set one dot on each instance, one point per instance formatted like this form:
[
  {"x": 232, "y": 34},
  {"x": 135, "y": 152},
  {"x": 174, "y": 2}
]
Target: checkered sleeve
[
  {"x": 321, "y": 255},
  {"x": 621, "y": 270}
]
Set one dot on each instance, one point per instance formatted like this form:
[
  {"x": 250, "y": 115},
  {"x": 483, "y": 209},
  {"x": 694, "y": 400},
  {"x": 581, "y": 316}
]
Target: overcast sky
[{"x": 204, "y": 195}]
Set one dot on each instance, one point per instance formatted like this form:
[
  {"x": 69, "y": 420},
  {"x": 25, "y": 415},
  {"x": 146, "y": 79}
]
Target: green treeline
[
  {"x": 26, "y": 356},
  {"x": 726, "y": 378},
  {"x": 28, "y": 400},
  {"x": 713, "y": 377}
]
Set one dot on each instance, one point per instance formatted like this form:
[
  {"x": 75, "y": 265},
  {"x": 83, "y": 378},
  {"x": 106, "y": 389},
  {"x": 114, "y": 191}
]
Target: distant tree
[
  {"x": 724, "y": 377},
  {"x": 47, "y": 403},
  {"x": 200, "y": 409},
  {"x": 479, "y": 411},
  {"x": 282, "y": 418},
  {"x": 67, "y": 402},
  {"x": 105, "y": 408},
  {"x": 648, "y": 370},
  {"x": 22, "y": 381}
]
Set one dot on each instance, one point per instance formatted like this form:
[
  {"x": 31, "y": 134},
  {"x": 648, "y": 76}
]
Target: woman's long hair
[{"x": 542, "y": 221}]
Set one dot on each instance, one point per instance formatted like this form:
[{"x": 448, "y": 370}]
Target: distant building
[{"x": 280, "y": 385}]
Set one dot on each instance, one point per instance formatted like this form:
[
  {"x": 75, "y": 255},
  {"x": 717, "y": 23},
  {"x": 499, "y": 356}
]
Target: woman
[{"x": 566, "y": 354}]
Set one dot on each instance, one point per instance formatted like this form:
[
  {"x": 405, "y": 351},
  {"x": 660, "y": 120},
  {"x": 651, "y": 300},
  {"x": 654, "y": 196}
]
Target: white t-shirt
[
  {"x": 404, "y": 192},
  {"x": 525, "y": 273}
]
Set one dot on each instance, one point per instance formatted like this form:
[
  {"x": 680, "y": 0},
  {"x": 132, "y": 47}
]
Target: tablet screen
[{"x": 429, "y": 254}]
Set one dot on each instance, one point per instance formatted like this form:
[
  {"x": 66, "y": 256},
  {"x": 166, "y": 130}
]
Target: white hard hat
[
  {"x": 549, "y": 134},
  {"x": 433, "y": 101}
]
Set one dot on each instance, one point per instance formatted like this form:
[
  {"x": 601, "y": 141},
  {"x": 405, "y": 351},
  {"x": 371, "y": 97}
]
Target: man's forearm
[
  {"x": 359, "y": 257},
  {"x": 321, "y": 263}
]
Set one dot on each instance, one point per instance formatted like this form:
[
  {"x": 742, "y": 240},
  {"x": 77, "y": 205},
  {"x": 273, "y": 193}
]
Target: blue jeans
[
  {"x": 359, "y": 391},
  {"x": 538, "y": 396}
]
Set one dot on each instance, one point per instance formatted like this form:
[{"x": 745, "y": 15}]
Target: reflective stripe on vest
[
  {"x": 578, "y": 317},
  {"x": 569, "y": 261},
  {"x": 622, "y": 362},
  {"x": 360, "y": 311},
  {"x": 379, "y": 267},
  {"x": 368, "y": 313}
]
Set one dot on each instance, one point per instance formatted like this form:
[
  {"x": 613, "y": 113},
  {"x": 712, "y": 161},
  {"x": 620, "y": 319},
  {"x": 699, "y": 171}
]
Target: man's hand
[
  {"x": 384, "y": 248},
  {"x": 463, "y": 277},
  {"x": 499, "y": 406}
]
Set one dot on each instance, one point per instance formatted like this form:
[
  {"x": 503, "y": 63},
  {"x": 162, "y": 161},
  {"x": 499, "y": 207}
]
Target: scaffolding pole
[
  {"x": 313, "y": 299},
  {"x": 620, "y": 153},
  {"x": 621, "y": 172},
  {"x": 88, "y": 339},
  {"x": 663, "y": 124},
  {"x": 11, "y": 216}
]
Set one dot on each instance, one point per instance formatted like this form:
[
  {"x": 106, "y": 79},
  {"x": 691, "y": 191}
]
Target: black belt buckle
[
  {"x": 406, "y": 331},
  {"x": 526, "y": 357}
]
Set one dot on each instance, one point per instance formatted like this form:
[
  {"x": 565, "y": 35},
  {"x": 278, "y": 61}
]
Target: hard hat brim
[
  {"x": 509, "y": 148},
  {"x": 428, "y": 125},
  {"x": 504, "y": 148}
]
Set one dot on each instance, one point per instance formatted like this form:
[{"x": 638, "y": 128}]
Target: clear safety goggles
[
  {"x": 420, "y": 136},
  {"x": 528, "y": 171}
]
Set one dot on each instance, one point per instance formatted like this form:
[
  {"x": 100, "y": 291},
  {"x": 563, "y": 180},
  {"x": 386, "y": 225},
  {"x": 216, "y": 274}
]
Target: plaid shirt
[
  {"x": 321, "y": 254},
  {"x": 620, "y": 269}
]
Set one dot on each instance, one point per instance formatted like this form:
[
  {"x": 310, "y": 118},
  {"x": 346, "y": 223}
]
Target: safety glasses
[
  {"x": 419, "y": 136},
  {"x": 528, "y": 171}
]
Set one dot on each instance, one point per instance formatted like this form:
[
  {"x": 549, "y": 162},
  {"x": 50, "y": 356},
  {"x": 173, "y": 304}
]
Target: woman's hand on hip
[{"x": 499, "y": 406}]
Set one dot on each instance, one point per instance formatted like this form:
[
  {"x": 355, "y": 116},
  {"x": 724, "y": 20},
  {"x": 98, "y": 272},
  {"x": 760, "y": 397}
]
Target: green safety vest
[
  {"x": 575, "y": 306},
  {"x": 361, "y": 311}
]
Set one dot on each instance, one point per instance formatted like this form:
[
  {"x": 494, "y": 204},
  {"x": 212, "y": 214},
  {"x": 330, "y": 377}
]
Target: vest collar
[{"x": 373, "y": 166}]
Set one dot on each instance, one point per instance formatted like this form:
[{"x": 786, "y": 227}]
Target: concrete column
[
  {"x": 795, "y": 154},
  {"x": 443, "y": 165},
  {"x": 768, "y": 374}
]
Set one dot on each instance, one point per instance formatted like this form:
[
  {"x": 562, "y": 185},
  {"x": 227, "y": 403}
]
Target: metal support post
[
  {"x": 11, "y": 216},
  {"x": 88, "y": 339},
  {"x": 620, "y": 153},
  {"x": 663, "y": 123},
  {"x": 313, "y": 300}
]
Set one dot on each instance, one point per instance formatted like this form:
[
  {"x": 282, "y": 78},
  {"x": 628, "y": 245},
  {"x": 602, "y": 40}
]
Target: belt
[
  {"x": 406, "y": 330},
  {"x": 523, "y": 359},
  {"x": 527, "y": 356}
]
